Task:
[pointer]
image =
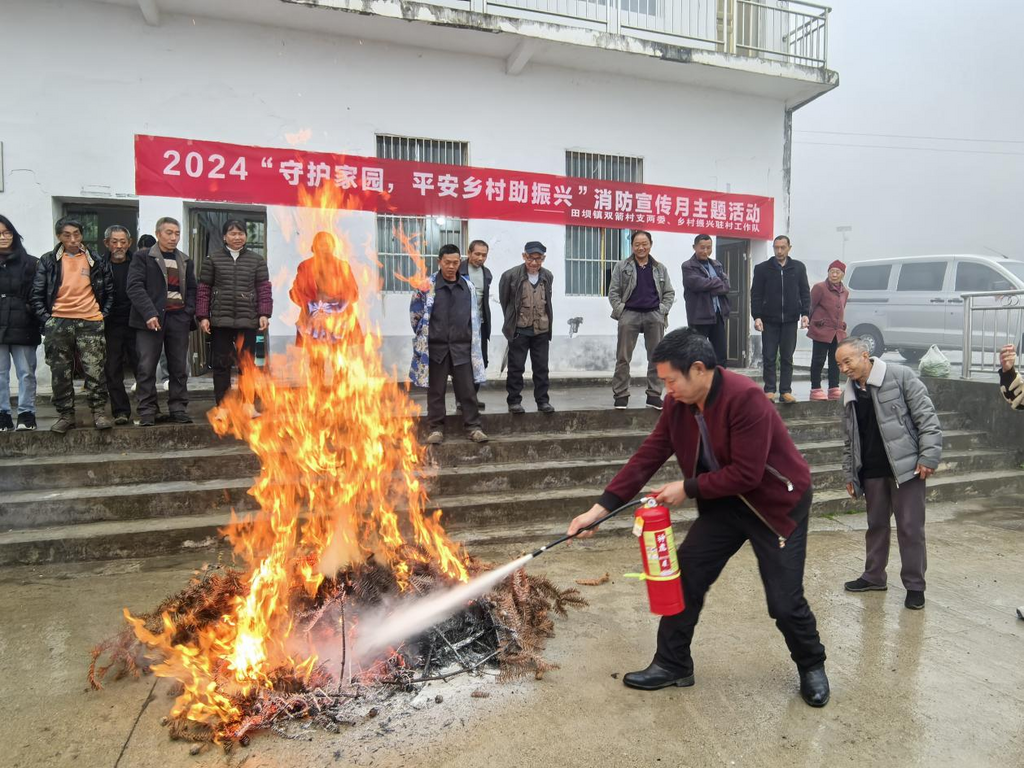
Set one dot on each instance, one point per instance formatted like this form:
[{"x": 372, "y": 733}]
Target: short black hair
[
  {"x": 448, "y": 248},
  {"x": 637, "y": 234},
  {"x": 700, "y": 237},
  {"x": 17, "y": 243},
  {"x": 146, "y": 241},
  {"x": 233, "y": 224},
  {"x": 475, "y": 243},
  {"x": 782, "y": 237},
  {"x": 682, "y": 348},
  {"x": 67, "y": 221}
]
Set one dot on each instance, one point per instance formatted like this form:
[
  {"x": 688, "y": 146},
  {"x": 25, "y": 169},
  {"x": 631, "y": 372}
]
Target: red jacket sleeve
[{"x": 648, "y": 459}]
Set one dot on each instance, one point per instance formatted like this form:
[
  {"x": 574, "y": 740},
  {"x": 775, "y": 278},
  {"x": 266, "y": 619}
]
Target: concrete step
[
  {"x": 119, "y": 440},
  {"x": 466, "y": 518},
  {"x": 831, "y": 451}
]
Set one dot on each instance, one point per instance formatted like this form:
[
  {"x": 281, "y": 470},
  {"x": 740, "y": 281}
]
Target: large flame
[{"x": 339, "y": 482}]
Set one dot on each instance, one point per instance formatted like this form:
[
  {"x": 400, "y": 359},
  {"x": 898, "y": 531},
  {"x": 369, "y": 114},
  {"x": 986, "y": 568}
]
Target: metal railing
[
  {"x": 997, "y": 322},
  {"x": 788, "y": 31}
]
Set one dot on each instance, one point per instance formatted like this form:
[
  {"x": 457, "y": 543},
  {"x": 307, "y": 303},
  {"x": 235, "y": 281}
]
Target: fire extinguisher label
[
  {"x": 638, "y": 526},
  {"x": 661, "y": 553}
]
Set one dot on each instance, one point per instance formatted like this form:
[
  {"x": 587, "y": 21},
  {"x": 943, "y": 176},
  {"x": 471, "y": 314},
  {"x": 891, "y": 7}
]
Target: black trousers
[
  {"x": 537, "y": 348},
  {"x": 462, "y": 383},
  {"x": 172, "y": 338},
  {"x": 778, "y": 339},
  {"x": 224, "y": 351},
  {"x": 715, "y": 333},
  {"x": 120, "y": 352},
  {"x": 709, "y": 544},
  {"x": 819, "y": 354}
]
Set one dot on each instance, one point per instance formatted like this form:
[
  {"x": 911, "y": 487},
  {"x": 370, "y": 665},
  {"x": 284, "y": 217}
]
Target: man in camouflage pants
[{"x": 72, "y": 293}]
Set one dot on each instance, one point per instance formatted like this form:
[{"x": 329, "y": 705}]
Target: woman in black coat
[{"x": 19, "y": 330}]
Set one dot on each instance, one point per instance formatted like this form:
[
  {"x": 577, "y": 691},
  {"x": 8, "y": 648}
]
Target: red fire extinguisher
[{"x": 653, "y": 527}]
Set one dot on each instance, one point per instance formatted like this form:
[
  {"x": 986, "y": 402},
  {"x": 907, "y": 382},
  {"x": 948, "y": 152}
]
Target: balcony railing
[{"x": 788, "y": 31}]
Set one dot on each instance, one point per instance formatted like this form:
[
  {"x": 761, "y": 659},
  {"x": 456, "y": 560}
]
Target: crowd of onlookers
[{"x": 125, "y": 307}]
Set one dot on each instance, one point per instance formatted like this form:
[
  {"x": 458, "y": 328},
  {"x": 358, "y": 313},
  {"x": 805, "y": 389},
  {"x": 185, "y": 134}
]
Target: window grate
[
  {"x": 592, "y": 252},
  {"x": 425, "y": 233}
]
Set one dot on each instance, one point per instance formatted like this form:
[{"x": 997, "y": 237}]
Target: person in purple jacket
[{"x": 827, "y": 329}]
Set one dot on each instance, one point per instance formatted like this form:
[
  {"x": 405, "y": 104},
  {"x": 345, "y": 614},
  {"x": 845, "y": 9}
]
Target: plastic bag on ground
[{"x": 934, "y": 363}]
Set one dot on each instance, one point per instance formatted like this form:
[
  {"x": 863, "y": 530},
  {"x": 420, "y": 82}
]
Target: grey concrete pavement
[{"x": 938, "y": 687}]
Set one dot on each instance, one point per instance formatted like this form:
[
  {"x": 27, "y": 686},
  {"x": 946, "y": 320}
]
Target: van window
[
  {"x": 922, "y": 276},
  {"x": 873, "y": 278},
  {"x": 978, "y": 277}
]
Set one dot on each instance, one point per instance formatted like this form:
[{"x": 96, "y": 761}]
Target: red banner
[{"x": 209, "y": 170}]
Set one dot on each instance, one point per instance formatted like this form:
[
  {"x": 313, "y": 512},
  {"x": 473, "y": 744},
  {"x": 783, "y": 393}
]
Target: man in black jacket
[
  {"x": 525, "y": 296},
  {"x": 119, "y": 335},
  {"x": 19, "y": 331},
  {"x": 780, "y": 297},
  {"x": 71, "y": 294},
  {"x": 472, "y": 267},
  {"x": 162, "y": 289}
]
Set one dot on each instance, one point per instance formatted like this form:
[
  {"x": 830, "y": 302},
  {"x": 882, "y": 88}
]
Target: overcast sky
[{"x": 949, "y": 76}]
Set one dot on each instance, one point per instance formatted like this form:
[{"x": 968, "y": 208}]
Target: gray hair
[
  {"x": 856, "y": 342},
  {"x": 167, "y": 220},
  {"x": 109, "y": 231}
]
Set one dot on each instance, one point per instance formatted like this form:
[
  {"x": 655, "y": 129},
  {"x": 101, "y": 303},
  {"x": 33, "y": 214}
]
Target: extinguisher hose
[{"x": 569, "y": 536}]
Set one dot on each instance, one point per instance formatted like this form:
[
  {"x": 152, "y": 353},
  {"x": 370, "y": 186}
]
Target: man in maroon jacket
[{"x": 750, "y": 484}]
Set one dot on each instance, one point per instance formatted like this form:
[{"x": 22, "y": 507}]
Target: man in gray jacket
[
  {"x": 892, "y": 445},
  {"x": 641, "y": 295}
]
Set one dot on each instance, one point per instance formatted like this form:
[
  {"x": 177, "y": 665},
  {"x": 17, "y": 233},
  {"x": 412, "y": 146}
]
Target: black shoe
[
  {"x": 6, "y": 423},
  {"x": 545, "y": 408},
  {"x": 814, "y": 687},
  {"x": 655, "y": 677},
  {"x": 146, "y": 421},
  {"x": 480, "y": 406},
  {"x": 27, "y": 421},
  {"x": 163, "y": 418},
  {"x": 915, "y": 599},
  {"x": 121, "y": 419},
  {"x": 516, "y": 408},
  {"x": 654, "y": 402},
  {"x": 859, "y": 585},
  {"x": 180, "y": 417},
  {"x": 621, "y": 403}
]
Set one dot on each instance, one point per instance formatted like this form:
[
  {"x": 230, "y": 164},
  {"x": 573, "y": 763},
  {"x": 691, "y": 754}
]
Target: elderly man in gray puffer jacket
[{"x": 892, "y": 445}]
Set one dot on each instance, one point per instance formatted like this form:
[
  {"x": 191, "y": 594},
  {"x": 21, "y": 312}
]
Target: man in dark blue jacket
[{"x": 780, "y": 297}]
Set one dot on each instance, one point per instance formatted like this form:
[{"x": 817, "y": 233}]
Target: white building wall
[{"x": 73, "y": 112}]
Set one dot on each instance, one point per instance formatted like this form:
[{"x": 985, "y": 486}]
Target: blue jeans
[{"x": 24, "y": 358}]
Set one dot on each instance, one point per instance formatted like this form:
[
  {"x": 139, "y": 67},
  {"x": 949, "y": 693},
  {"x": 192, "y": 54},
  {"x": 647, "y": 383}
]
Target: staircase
[{"x": 102, "y": 495}]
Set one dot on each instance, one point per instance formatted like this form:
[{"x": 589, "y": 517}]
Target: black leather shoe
[
  {"x": 655, "y": 677},
  {"x": 180, "y": 417},
  {"x": 545, "y": 408},
  {"x": 516, "y": 408},
  {"x": 814, "y": 687}
]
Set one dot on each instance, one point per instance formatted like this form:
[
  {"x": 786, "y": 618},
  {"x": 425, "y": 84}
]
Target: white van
[{"x": 911, "y": 302}]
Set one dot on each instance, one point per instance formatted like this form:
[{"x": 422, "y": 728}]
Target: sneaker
[
  {"x": 621, "y": 403},
  {"x": 654, "y": 402},
  {"x": 516, "y": 408},
  {"x": 180, "y": 417},
  {"x": 859, "y": 585},
  {"x": 27, "y": 421},
  {"x": 915, "y": 599},
  {"x": 146, "y": 421},
  {"x": 770, "y": 396},
  {"x": 787, "y": 397},
  {"x": 102, "y": 421},
  {"x": 545, "y": 408},
  {"x": 818, "y": 394},
  {"x": 835, "y": 393},
  {"x": 435, "y": 438},
  {"x": 6, "y": 424},
  {"x": 63, "y": 424},
  {"x": 478, "y": 436},
  {"x": 121, "y": 419}
]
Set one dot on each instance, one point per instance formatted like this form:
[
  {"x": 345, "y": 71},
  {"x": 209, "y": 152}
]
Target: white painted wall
[{"x": 72, "y": 116}]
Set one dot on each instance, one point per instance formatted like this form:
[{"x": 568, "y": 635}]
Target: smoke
[{"x": 412, "y": 617}]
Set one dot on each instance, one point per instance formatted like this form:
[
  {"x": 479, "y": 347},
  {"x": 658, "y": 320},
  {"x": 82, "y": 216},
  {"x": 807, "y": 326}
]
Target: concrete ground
[{"x": 937, "y": 687}]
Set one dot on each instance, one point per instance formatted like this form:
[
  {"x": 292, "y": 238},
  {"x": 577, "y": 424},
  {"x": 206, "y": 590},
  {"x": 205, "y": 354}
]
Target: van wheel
[
  {"x": 912, "y": 356},
  {"x": 873, "y": 337}
]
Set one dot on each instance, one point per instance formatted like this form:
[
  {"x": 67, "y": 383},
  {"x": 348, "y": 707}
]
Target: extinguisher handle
[{"x": 613, "y": 513}]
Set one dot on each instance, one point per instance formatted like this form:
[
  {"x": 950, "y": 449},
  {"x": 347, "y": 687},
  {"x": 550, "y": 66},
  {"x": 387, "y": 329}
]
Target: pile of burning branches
[{"x": 505, "y": 630}]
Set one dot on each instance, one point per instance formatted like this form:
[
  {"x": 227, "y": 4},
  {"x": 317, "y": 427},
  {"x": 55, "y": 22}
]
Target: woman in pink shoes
[{"x": 827, "y": 329}]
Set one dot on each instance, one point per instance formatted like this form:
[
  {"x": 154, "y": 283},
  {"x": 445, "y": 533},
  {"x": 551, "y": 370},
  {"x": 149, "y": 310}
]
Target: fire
[{"x": 339, "y": 483}]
